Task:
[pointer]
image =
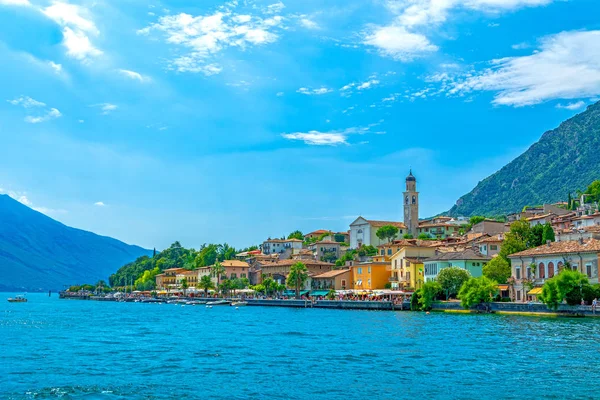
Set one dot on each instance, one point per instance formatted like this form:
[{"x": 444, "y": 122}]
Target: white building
[{"x": 278, "y": 246}]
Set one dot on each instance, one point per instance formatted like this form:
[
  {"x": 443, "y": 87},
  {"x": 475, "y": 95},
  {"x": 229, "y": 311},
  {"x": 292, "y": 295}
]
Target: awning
[
  {"x": 502, "y": 287},
  {"x": 319, "y": 292},
  {"x": 535, "y": 291},
  {"x": 289, "y": 293}
]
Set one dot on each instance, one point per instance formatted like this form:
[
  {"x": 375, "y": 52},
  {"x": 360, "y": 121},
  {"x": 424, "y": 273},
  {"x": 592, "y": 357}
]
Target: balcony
[{"x": 393, "y": 279}]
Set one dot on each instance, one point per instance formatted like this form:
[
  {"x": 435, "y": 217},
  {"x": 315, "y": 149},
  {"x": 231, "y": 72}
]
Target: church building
[{"x": 411, "y": 206}]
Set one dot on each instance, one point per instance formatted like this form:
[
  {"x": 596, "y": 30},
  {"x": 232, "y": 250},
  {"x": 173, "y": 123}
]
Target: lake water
[{"x": 71, "y": 349}]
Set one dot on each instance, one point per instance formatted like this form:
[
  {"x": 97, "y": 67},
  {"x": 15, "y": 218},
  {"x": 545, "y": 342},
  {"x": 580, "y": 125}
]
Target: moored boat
[
  {"x": 20, "y": 298},
  {"x": 218, "y": 303},
  {"x": 239, "y": 303}
]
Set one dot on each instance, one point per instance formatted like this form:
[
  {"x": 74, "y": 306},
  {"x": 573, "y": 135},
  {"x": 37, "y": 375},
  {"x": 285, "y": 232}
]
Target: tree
[
  {"x": 536, "y": 236},
  {"x": 407, "y": 236},
  {"x": 184, "y": 285},
  {"x": 424, "y": 236},
  {"x": 567, "y": 285},
  {"x": 206, "y": 284},
  {"x": 518, "y": 239},
  {"x": 548, "y": 233},
  {"x": 367, "y": 250},
  {"x": 388, "y": 232},
  {"x": 428, "y": 293},
  {"x": 297, "y": 277},
  {"x": 451, "y": 279},
  {"x": 477, "y": 291},
  {"x": 296, "y": 235},
  {"x": 217, "y": 270},
  {"x": 593, "y": 192},
  {"x": 329, "y": 256},
  {"x": 498, "y": 269}
]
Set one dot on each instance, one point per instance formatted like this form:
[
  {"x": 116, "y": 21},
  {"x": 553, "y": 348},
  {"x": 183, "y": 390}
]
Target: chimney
[{"x": 548, "y": 242}]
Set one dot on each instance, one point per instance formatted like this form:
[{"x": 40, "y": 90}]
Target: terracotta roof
[
  {"x": 492, "y": 239},
  {"x": 434, "y": 225},
  {"x": 416, "y": 260},
  {"x": 174, "y": 269},
  {"x": 331, "y": 274},
  {"x": 376, "y": 224},
  {"x": 234, "y": 263},
  {"x": 539, "y": 217},
  {"x": 326, "y": 242},
  {"x": 318, "y": 232},
  {"x": 467, "y": 254},
  {"x": 283, "y": 240},
  {"x": 566, "y": 247},
  {"x": 284, "y": 263}
]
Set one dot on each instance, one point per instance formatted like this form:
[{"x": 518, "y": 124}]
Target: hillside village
[{"x": 393, "y": 257}]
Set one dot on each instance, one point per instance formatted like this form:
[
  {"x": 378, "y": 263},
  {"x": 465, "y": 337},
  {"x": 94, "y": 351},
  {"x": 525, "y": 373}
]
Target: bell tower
[{"x": 411, "y": 205}]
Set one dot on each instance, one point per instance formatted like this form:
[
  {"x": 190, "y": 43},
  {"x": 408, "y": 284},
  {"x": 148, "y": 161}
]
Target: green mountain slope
[
  {"x": 37, "y": 252},
  {"x": 564, "y": 160}
]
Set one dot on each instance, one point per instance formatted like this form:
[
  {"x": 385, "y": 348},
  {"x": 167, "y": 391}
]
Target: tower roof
[{"x": 411, "y": 177}]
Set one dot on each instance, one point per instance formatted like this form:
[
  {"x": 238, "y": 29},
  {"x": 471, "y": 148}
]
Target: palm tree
[
  {"x": 206, "y": 283},
  {"x": 297, "y": 277},
  {"x": 184, "y": 285},
  {"x": 217, "y": 271}
]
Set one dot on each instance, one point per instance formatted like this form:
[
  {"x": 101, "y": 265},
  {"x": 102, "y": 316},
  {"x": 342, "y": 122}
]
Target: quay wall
[{"x": 521, "y": 308}]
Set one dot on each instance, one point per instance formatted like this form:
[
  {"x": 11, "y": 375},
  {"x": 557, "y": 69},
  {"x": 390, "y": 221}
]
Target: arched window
[
  {"x": 560, "y": 266},
  {"x": 359, "y": 231},
  {"x": 550, "y": 269},
  {"x": 414, "y": 199},
  {"x": 406, "y": 200},
  {"x": 541, "y": 271}
]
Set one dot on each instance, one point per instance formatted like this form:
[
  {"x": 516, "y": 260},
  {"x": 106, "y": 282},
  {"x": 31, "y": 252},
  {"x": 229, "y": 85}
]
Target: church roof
[{"x": 411, "y": 177}]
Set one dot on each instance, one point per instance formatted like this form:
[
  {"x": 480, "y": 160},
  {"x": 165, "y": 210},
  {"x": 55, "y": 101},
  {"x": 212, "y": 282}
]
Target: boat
[
  {"x": 20, "y": 298},
  {"x": 218, "y": 303},
  {"x": 239, "y": 303},
  {"x": 195, "y": 302}
]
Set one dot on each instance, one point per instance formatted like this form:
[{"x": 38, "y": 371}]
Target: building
[
  {"x": 389, "y": 249},
  {"x": 542, "y": 219},
  {"x": 279, "y": 246},
  {"x": 363, "y": 232},
  {"x": 407, "y": 266},
  {"x": 233, "y": 269},
  {"x": 190, "y": 276},
  {"x": 316, "y": 234},
  {"x": 168, "y": 279},
  {"x": 490, "y": 227},
  {"x": 439, "y": 230},
  {"x": 325, "y": 249},
  {"x": 322, "y": 234},
  {"x": 279, "y": 270},
  {"x": 468, "y": 259},
  {"x": 411, "y": 205},
  {"x": 371, "y": 275},
  {"x": 537, "y": 265},
  {"x": 337, "y": 279},
  {"x": 490, "y": 246}
]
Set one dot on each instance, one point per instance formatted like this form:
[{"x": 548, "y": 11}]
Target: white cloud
[
  {"x": 56, "y": 67},
  {"x": 404, "y": 39},
  {"x": 22, "y": 198},
  {"x": 398, "y": 43},
  {"x": 317, "y": 138},
  {"x": 78, "y": 45},
  {"x": 77, "y": 26},
  {"x": 106, "y": 108},
  {"x": 204, "y": 36},
  {"x": 26, "y": 102},
  {"x": 133, "y": 75},
  {"x": 368, "y": 84},
  {"x": 572, "y": 106},
  {"x": 15, "y": 2},
  {"x": 318, "y": 91},
  {"x": 309, "y": 23},
  {"x": 99, "y": 204},
  {"x": 275, "y": 8},
  {"x": 279, "y": 94},
  {"x": 53, "y": 113},
  {"x": 566, "y": 66},
  {"x": 520, "y": 46}
]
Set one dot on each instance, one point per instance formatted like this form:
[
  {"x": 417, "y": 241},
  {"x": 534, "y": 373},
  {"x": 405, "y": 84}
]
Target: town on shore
[{"x": 543, "y": 254}]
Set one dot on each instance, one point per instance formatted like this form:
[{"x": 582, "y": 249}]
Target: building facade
[
  {"x": 469, "y": 260},
  {"x": 363, "y": 232},
  {"x": 411, "y": 206}
]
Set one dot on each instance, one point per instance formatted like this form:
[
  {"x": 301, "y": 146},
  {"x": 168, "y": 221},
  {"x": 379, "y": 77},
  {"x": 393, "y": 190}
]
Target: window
[
  {"x": 243, "y": 276},
  {"x": 518, "y": 272},
  {"x": 359, "y": 270},
  {"x": 414, "y": 199},
  {"x": 343, "y": 283},
  {"x": 493, "y": 247},
  {"x": 588, "y": 270},
  {"x": 518, "y": 295},
  {"x": 406, "y": 200},
  {"x": 389, "y": 252},
  {"x": 550, "y": 269},
  {"x": 408, "y": 276},
  {"x": 368, "y": 270},
  {"x": 369, "y": 283},
  {"x": 401, "y": 273},
  {"x": 382, "y": 252},
  {"x": 359, "y": 231},
  {"x": 541, "y": 271},
  {"x": 395, "y": 264}
]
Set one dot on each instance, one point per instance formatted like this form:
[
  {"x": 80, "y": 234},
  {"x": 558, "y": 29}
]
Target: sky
[{"x": 212, "y": 122}]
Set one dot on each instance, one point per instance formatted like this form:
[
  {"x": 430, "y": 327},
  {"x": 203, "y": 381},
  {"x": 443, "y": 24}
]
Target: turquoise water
[{"x": 71, "y": 349}]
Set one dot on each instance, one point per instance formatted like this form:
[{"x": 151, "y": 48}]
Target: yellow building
[
  {"x": 371, "y": 275},
  {"x": 407, "y": 269}
]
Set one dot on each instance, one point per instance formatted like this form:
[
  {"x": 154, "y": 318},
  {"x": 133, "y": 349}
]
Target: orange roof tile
[
  {"x": 566, "y": 247},
  {"x": 331, "y": 274},
  {"x": 376, "y": 224}
]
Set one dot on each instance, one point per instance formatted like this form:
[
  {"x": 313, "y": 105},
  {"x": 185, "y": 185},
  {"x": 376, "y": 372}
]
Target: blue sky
[{"x": 211, "y": 122}]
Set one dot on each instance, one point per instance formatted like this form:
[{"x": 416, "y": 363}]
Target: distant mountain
[
  {"x": 564, "y": 160},
  {"x": 37, "y": 252}
]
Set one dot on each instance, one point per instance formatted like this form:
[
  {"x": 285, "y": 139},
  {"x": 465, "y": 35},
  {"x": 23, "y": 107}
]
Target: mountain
[
  {"x": 37, "y": 252},
  {"x": 564, "y": 160}
]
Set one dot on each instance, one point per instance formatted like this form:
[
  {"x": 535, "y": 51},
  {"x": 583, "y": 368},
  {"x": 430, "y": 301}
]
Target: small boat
[
  {"x": 195, "y": 302},
  {"x": 20, "y": 298},
  {"x": 218, "y": 303},
  {"x": 239, "y": 303}
]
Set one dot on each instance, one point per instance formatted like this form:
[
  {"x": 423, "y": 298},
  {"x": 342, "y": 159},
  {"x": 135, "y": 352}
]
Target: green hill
[
  {"x": 564, "y": 160},
  {"x": 39, "y": 253}
]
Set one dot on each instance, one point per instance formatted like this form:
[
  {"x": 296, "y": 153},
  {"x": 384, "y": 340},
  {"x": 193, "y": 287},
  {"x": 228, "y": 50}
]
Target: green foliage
[
  {"x": 548, "y": 234},
  {"x": 521, "y": 237},
  {"x": 428, "y": 293},
  {"x": 562, "y": 160},
  {"x": 367, "y": 250},
  {"x": 147, "y": 281},
  {"x": 296, "y": 235},
  {"x": 407, "y": 236},
  {"x": 206, "y": 284},
  {"x": 414, "y": 301},
  {"x": 387, "y": 232},
  {"x": 184, "y": 285},
  {"x": 424, "y": 236},
  {"x": 329, "y": 256},
  {"x": 567, "y": 285},
  {"x": 476, "y": 219},
  {"x": 477, "y": 291},
  {"x": 498, "y": 269},
  {"x": 217, "y": 270},
  {"x": 593, "y": 192},
  {"x": 297, "y": 277},
  {"x": 451, "y": 280},
  {"x": 338, "y": 237}
]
